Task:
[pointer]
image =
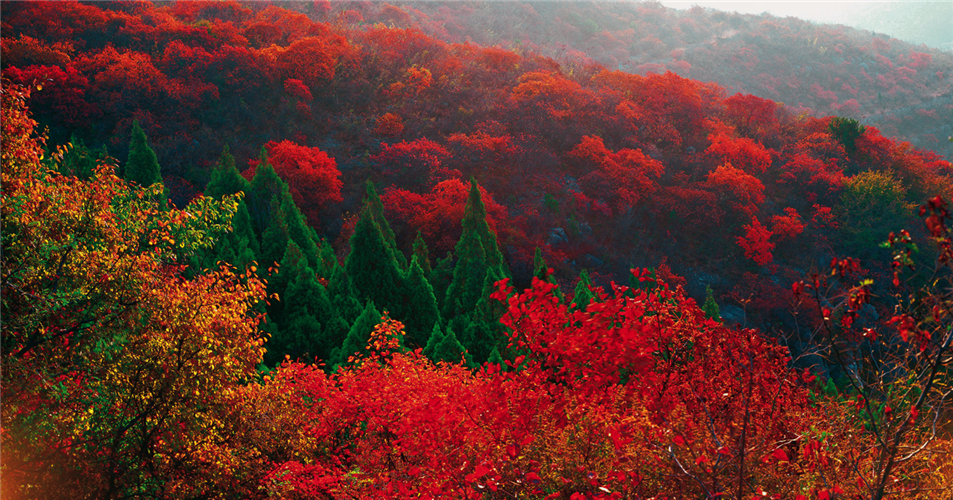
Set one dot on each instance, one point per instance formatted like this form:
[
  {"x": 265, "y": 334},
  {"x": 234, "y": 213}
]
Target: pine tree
[
  {"x": 496, "y": 358},
  {"x": 142, "y": 166},
  {"x": 541, "y": 271},
  {"x": 343, "y": 296},
  {"x": 710, "y": 306},
  {"x": 451, "y": 350},
  {"x": 421, "y": 306},
  {"x": 436, "y": 335},
  {"x": 479, "y": 262},
  {"x": 266, "y": 187},
  {"x": 80, "y": 161},
  {"x": 360, "y": 333},
  {"x": 239, "y": 247},
  {"x": 422, "y": 254},
  {"x": 307, "y": 304},
  {"x": 275, "y": 218},
  {"x": 376, "y": 206},
  {"x": 372, "y": 267},
  {"x": 225, "y": 178},
  {"x": 440, "y": 279},
  {"x": 582, "y": 295}
]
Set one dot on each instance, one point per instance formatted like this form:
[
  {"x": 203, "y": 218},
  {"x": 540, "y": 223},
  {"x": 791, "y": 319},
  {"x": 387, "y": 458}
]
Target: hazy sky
[{"x": 917, "y": 21}]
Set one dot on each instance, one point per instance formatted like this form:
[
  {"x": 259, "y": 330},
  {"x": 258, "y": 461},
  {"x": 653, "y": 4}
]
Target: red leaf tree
[{"x": 312, "y": 176}]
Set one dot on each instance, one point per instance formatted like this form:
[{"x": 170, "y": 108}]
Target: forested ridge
[{"x": 327, "y": 250}]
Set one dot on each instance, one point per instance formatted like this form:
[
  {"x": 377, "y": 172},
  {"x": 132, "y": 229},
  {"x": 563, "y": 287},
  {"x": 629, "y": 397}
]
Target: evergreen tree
[
  {"x": 225, "y": 178},
  {"x": 582, "y": 295},
  {"x": 372, "y": 267},
  {"x": 421, "y": 306},
  {"x": 436, "y": 335},
  {"x": 359, "y": 334},
  {"x": 422, "y": 254},
  {"x": 479, "y": 264},
  {"x": 239, "y": 247},
  {"x": 541, "y": 271},
  {"x": 80, "y": 161},
  {"x": 343, "y": 295},
  {"x": 327, "y": 260},
  {"x": 275, "y": 218},
  {"x": 451, "y": 350},
  {"x": 440, "y": 278},
  {"x": 142, "y": 166},
  {"x": 265, "y": 188},
  {"x": 496, "y": 358},
  {"x": 307, "y": 305},
  {"x": 710, "y": 306},
  {"x": 376, "y": 206}
]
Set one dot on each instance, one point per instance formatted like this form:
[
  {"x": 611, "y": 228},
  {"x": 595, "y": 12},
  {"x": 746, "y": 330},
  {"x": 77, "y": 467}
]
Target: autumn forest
[{"x": 471, "y": 250}]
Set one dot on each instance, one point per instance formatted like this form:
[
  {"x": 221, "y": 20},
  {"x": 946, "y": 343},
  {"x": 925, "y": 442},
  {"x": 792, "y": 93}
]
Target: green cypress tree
[
  {"x": 360, "y": 333},
  {"x": 422, "y": 254},
  {"x": 80, "y": 161},
  {"x": 372, "y": 267},
  {"x": 436, "y": 335},
  {"x": 240, "y": 246},
  {"x": 307, "y": 304},
  {"x": 421, "y": 307},
  {"x": 451, "y": 350},
  {"x": 440, "y": 279},
  {"x": 710, "y": 306},
  {"x": 142, "y": 166},
  {"x": 343, "y": 295},
  {"x": 541, "y": 271},
  {"x": 225, "y": 178},
  {"x": 496, "y": 358},
  {"x": 266, "y": 187},
  {"x": 373, "y": 202},
  {"x": 582, "y": 296},
  {"x": 327, "y": 260},
  {"x": 293, "y": 264},
  {"x": 275, "y": 218},
  {"x": 479, "y": 264},
  {"x": 474, "y": 219}
]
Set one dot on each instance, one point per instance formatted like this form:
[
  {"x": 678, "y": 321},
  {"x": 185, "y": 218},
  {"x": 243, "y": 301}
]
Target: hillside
[
  {"x": 355, "y": 250},
  {"x": 901, "y": 88}
]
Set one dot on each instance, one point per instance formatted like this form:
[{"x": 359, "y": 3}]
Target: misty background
[{"x": 926, "y": 22}]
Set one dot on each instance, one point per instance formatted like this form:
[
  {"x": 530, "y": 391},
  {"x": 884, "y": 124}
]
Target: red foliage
[
  {"x": 438, "y": 213},
  {"x": 61, "y": 91},
  {"x": 752, "y": 116},
  {"x": 788, "y": 225},
  {"x": 298, "y": 89},
  {"x": 742, "y": 192},
  {"x": 742, "y": 152},
  {"x": 756, "y": 243},
  {"x": 389, "y": 124},
  {"x": 623, "y": 178},
  {"x": 312, "y": 176},
  {"x": 414, "y": 163}
]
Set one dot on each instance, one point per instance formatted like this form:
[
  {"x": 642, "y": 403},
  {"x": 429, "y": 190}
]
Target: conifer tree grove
[
  {"x": 451, "y": 350},
  {"x": 478, "y": 257}
]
